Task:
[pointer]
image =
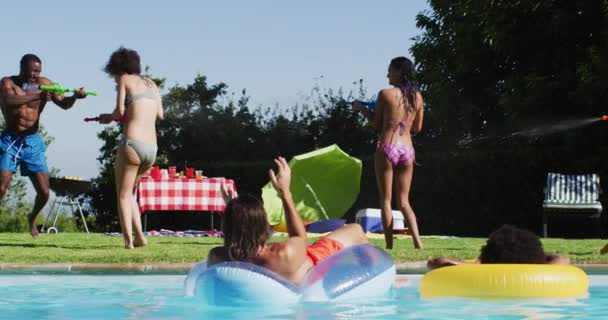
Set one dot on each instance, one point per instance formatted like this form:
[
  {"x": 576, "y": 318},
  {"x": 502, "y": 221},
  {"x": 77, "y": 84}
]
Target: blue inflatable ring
[{"x": 357, "y": 272}]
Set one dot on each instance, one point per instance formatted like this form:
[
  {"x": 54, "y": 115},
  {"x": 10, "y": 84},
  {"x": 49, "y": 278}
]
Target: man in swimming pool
[
  {"x": 246, "y": 234},
  {"x": 21, "y": 144},
  {"x": 508, "y": 244}
]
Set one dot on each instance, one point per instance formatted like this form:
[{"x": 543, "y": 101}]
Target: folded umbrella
[{"x": 324, "y": 184}]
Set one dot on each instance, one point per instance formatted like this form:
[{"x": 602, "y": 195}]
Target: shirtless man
[
  {"x": 246, "y": 232},
  {"x": 20, "y": 143}
]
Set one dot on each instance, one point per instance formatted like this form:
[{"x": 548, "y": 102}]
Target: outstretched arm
[
  {"x": 10, "y": 97},
  {"x": 62, "y": 101},
  {"x": 374, "y": 117},
  {"x": 379, "y": 113},
  {"x": 367, "y": 113},
  {"x": 215, "y": 256},
  {"x": 119, "y": 111},
  {"x": 445, "y": 262}
]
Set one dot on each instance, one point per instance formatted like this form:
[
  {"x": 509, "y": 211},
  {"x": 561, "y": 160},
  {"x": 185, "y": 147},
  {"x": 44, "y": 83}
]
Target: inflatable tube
[
  {"x": 356, "y": 272},
  {"x": 238, "y": 283},
  {"x": 505, "y": 281}
]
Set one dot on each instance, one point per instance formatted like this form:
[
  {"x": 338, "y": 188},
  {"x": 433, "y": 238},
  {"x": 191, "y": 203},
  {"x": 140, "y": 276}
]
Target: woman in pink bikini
[{"x": 398, "y": 112}]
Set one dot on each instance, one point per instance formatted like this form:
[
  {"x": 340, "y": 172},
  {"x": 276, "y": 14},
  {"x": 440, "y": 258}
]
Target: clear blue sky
[{"x": 274, "y": 49}]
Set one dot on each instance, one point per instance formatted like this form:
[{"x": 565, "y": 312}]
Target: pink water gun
[{"x": 122, "y": 119}]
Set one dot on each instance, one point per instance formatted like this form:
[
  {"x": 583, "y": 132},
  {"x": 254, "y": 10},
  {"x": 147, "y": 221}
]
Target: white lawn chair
[{"x": 572, "y": 193}]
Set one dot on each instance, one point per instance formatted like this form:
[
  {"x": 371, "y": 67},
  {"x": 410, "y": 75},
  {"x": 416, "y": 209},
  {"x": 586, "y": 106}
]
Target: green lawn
[{"x": 99, "y": 248}]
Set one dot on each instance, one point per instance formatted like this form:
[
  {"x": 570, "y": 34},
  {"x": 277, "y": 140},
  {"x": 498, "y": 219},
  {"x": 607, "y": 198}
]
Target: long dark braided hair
[{"x": 407, "y": 81}]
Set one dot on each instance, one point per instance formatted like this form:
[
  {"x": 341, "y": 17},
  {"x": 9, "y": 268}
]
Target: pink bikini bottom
[{"x": 398, "y": 153}]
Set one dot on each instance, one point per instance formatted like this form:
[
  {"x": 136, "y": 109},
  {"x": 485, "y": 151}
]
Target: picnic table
[{"x": 183, "y": 194}]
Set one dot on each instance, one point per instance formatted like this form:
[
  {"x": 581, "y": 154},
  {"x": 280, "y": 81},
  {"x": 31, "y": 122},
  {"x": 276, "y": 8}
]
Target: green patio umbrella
[{"x": 324, "y": 183}]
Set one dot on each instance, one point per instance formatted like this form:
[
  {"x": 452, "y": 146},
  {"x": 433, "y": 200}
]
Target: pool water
[{"x": 161, "y": 297}]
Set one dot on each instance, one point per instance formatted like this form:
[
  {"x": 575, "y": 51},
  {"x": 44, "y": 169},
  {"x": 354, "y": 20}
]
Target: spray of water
[
  {"x": 563, "y": 125},
  {"x": 538, "y": 130}
]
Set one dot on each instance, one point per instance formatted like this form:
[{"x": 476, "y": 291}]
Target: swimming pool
[{"x": 161, "y": 297}]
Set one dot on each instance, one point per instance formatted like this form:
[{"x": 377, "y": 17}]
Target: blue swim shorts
[{"x": 23, "y": 150}]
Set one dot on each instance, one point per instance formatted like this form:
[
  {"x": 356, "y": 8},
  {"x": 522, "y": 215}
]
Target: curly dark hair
[
  {"x": 245, "y": 227},
  {"x": 407, "y": 81},
  {"x": 509, "y": 244},
  {"x": 123, "y": 61}
]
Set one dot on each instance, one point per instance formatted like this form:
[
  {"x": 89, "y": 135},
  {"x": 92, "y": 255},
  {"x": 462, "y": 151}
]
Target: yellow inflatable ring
[{"x": 505, "y": 281}]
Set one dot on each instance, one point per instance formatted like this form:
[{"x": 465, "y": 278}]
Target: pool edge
[{"x": 417, "y": 267}]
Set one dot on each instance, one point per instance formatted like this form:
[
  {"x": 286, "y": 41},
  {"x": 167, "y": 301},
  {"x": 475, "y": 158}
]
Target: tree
[
  {"x": 488, "y": 69},
  {"x": 486, "y": 66}
]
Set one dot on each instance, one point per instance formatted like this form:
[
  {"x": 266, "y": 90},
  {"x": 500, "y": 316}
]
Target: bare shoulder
[
  {"x": 278, "y": 252},
  {"x": 149, "y": 81},
  {"x": 216, "y": 255},
  {"x": 276, "y": 256},
  {"x": 386, "y": 95},
  {"x": 277, "y": 248},
  {"x": 7, "y": 86},
  {"x": 388, "y": 92},
  {"x": 126, "y": 79},
  {"x": 7, "y": 83},
  {"x": 7, "y": 80}
]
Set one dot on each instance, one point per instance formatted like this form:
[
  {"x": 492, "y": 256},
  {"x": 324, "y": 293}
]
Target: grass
[{"x": 99, "y": 248}]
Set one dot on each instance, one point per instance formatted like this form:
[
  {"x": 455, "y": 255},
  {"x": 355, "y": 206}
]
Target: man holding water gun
[{"x": 22, "y": 101}]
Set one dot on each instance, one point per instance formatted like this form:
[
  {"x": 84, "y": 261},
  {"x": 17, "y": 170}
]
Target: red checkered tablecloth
[{"x": 183, "y": 194}]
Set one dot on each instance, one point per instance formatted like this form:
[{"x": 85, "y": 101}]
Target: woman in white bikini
[
  {"x": 138, "y": 107},
  {"x": 398, "y": 112}
]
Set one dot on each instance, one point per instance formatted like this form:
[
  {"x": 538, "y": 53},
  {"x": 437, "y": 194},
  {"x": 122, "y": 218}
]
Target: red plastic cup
[
  {"x": 190, "y": 172},
  {"x": 155, "y": 173},
  {"x": 172, "y": 171}
]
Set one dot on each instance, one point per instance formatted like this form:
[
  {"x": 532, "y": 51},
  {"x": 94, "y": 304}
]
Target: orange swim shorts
[{"x": 323, "y": 249}]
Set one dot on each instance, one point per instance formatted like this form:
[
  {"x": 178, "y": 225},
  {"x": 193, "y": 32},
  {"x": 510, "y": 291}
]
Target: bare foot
[
  {"x": 140, "y": 242},
  {"x": 129, "y": 244},
  {"x": 33, "y": 228}
]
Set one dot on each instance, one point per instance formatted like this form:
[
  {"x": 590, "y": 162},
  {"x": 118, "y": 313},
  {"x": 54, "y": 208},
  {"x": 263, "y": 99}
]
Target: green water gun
[{"x": 56, "y": 87}]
